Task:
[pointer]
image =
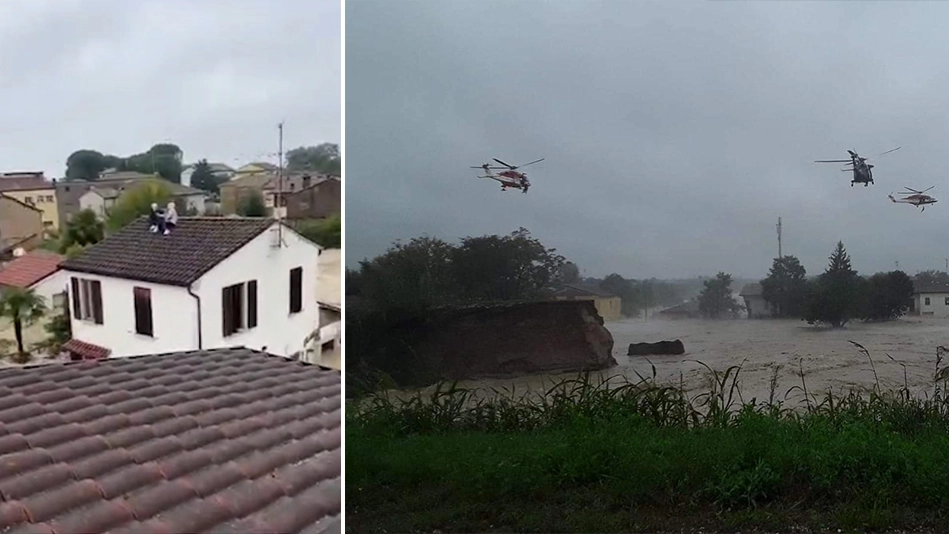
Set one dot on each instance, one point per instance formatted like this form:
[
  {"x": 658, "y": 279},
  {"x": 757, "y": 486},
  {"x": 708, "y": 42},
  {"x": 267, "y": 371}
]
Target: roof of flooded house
[
  {"x": 930, "y": 287},
  {"x": 751, "y": 290},
  {"x": 582, "y": 290},
  {"x": 30, "y": 268},
  {"x": 195, "y": 246},
  {"x": 226, "y": 440}
]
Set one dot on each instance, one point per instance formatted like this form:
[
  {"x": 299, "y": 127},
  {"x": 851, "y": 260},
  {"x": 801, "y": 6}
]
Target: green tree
[
  {"x": 252, "y": 205},
  {"x": 163, "y": 159},
  {"x": 834, "y": 298},
  {"x": 137, "y": 201},
  {"x": 86, "y": 164},
  {"x": 569, "y": 273},
  {"x": 23, "y": 307},
  {"x": 716, "y": 299},
  {"x": 83, "y": 229},
  {"x": 512, "y": 267},
  {"x": 888, "y": 296},
  {"x": 323, "y": 158},
  {"x": 204, "y": 178},
  {"x": 413, "y": 275},
  {"x": 785, "y": 288},
  {"x": 326, "y": 232},
  {"x": 625, "y": 290}
]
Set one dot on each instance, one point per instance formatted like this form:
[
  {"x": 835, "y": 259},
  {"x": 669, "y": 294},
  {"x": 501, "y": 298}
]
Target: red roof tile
[
  {"x": 87, "y": 351},
  {"x": 30, "y": 269},
  {"x": 228, "y": 440}
]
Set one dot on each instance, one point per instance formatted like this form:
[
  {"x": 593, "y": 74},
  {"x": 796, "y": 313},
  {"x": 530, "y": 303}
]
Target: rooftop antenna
[
  {"x": 779, "y": 238},
  {"x": 278, "y": 203}
]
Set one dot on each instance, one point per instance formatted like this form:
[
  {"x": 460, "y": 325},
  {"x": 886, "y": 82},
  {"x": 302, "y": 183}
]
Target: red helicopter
[
  {"x": 917, "y": 198},
  {"x": 509, "y": 177}
]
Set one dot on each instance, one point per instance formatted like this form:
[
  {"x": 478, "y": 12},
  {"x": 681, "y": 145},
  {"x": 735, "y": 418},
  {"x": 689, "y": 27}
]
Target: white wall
[
  {"x": 937, "y": 304},
  {"x": 186, "y": 176},
  {"x": 174, "y": 318},
  {"x": 194, "y": 201},
  {"x": 757, "y": 306},
  {"x": 91, "y": 200},
  {"x": 50, "y": 286},
  {"x": 277, "y": 330}
]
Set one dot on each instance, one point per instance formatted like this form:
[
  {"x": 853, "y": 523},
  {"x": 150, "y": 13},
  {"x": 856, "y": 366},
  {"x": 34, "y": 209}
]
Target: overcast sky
[
  {"x": 213, "y": 76},
  {"x": 675, "y": 133}
]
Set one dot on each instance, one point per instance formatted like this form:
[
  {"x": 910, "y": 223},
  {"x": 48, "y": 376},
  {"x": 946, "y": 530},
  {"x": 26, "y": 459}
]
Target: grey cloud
[
  {"x": 675, "y": 132},
  {"x": 214, "y": 76}
]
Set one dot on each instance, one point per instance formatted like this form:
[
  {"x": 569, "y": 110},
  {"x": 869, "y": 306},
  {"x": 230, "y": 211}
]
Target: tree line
[{"x": 166, "y": 160}]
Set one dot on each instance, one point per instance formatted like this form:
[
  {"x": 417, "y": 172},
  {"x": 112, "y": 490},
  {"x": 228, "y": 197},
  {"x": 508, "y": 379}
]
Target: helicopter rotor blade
[
  {"x": 888, "y": 151},
  {"x": 833, "y": 161},
  {"x": 533, "y": 162},
  {"x": 505, "y": 164}
]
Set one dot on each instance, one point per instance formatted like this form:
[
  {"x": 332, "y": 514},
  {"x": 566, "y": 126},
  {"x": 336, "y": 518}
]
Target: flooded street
[{"x": 827, "y": 358}]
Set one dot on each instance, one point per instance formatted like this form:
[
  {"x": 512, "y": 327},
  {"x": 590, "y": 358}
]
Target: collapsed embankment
[
  {"x": 398, "y": 348},
  {"x": 517, "y": 338}
]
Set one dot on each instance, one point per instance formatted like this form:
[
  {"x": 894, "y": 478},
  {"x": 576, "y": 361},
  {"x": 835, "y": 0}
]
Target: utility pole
[
  {"x": 897, "y": 265},
  {"x": 279, "y": 196},
  {"x": 779, "y": 238}
]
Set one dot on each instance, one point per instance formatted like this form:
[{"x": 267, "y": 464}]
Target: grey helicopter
[{"x": 862, "y": 171}]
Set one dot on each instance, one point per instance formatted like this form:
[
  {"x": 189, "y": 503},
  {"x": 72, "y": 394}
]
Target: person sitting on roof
[
  {"x": 171, "y": 218},
  {"x": 156, "y": 220}
]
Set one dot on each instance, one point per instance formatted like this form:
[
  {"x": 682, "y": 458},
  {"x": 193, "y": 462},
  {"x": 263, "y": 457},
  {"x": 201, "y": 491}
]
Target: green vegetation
[
  {"x": 204, "y": 178},
  {"x": 163, "y": 159},
  {"x": 323, "y": 158},
  {"x": 327, "y": 233},
  {"x": 22, "y": 307},
  {"x": 136, "y": 202},
  {"x": 646, "y": 457},
  {"x": 716, "y": 300},
  {"x": 252, "y": 205}
]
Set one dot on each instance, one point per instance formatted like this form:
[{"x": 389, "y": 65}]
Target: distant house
[
  {"x": 213, "y": 282},
  {"x": 233, "y": 193},
  {"x": 608, "y": 305},
  {"x": 38, "y": 271},
  {"x": 70, "y": 194},
  {"x": 99, "y": 199},
  {"x": 257, "y": 167},
  {"x": 219, "y": 170},
  {"x": 21, "y": 226},
  {"x": 755, "y": 303},
  {"x": 33, "y": 189},
  {"x": 686, "y": 310},
  {"x": 317, "y": 198},
  {"x": 931, "y": 299}
]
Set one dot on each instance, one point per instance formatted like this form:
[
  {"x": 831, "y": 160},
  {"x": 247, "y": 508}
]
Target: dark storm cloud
[
  {"x": 675, "y": 133},
  {"x": 214, "y": 77}
]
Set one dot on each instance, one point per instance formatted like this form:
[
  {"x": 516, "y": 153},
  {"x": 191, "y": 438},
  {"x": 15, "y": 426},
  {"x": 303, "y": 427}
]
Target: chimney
[{"x": 306, "y": 181}]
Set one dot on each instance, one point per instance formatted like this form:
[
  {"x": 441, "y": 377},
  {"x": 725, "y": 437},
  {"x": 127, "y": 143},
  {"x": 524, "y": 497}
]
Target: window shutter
[
  {"x": 76, "y": 299},
  {"x": 252, "y": 304},
  {"x": 227, "y": 311},
  {"x": 97, "y": 301},
  {"x": 143, "y": 311},
  {"x": 296, "y": 289}
]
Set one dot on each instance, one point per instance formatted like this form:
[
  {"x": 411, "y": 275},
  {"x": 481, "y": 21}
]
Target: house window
[
  {"x": 296, "y": 289},
  {"x": 28, "y": 200},
  {"x": 947, "y": 301},
  {"x": 87, "y": 300},
  {"x": 39, "y": 199},
  {"x": 239, "y": 307},
  {"x": 143, "y": 311},
  {"x": 49, "y": 198},
  {"x": 927, "y": 301}
]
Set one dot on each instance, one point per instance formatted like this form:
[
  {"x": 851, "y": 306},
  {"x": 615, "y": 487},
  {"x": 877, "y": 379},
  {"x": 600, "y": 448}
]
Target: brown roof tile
[
  {"x": 24, "y": 182},
  {"x": 242, "y": 457},
  {"x": 194, "y": 247},
  {"x": 30, "y": 269}
]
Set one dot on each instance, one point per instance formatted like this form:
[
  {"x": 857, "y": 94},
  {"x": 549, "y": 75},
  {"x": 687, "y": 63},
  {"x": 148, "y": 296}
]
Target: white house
[
  {"x": 931, "y": 299},
  {"x": 99, "y": 200},
  {"x": 755, "y": 303},
  {"x": 213, "y": 282},
  {"x": 38, "y": 271}
]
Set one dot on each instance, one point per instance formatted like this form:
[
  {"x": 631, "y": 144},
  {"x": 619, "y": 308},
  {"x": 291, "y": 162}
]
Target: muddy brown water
[{"x": 828, "y": 360}]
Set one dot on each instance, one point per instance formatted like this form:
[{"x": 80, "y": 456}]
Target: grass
[{"x": 584, "y": 457}]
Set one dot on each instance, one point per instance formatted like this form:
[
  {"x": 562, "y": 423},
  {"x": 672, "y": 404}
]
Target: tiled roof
[
  {"x": 86, "y": 351},
  {"x": 24, "y": 183},
  {"x": 582, "y": 290},
  {"x": 30, "y": 269},
  {"x": 229, "y": 440},
  {"x": 195, "y": 246},
  {"x": 930, "y": 287}
]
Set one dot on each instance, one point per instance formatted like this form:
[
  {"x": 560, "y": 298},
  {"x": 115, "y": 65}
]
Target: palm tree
[{"x": 23, "y": 307}]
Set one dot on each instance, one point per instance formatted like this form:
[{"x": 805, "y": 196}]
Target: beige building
[
  {"x": 608, "y": 305},
  {"x": 33, "y": 189},
  {"x": 21, "y": 225}
]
